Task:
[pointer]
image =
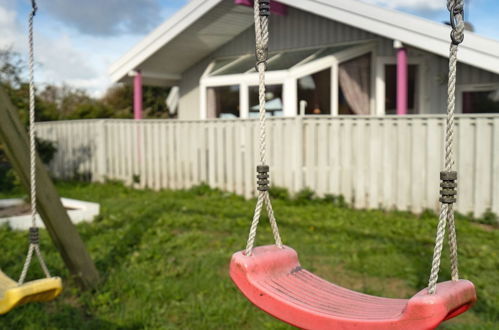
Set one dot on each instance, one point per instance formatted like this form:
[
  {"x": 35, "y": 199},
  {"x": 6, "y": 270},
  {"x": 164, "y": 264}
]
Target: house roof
[{"x": 202, "y": 26}]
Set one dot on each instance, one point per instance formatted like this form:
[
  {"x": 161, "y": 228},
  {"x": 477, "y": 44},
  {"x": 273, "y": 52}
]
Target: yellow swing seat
[{"x": 13, "y": 295}]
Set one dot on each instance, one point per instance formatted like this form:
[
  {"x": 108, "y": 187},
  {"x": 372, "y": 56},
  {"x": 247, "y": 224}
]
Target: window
[
  {"x": 273, "y": 101},
  {"x": 391, "y": 89},
  {"x": 481, "y": 101},
  {"x": 228, "y": 85},
  {"x": 223, "y": 102},
  {"x": 314, "y": 93}
]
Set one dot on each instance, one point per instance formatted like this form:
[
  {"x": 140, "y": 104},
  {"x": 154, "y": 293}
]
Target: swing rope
[
  {"x": 448, "y": 177},
  {"x": 262, "y": 13},
  {"x": 34, "y": 240}
]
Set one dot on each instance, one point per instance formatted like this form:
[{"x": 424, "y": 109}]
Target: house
[{"x": 332, "y": 57}]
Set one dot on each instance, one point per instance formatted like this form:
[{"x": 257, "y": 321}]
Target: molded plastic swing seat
[
  {"x": 272, "y": 279},
  {"x": 12, "y": 295}
]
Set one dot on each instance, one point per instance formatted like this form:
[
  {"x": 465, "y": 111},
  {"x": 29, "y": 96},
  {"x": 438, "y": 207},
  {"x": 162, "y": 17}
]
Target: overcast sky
[{"x": 76, "y": 40}]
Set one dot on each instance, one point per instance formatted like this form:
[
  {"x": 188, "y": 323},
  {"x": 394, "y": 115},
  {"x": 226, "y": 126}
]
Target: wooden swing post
[{"x": 60, "y": 228}]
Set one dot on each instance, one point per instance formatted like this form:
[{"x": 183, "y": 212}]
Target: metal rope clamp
[
  {"x": 456, "y": 36},
  {"x": 449, "y": 187},
  {"x": 263, "y": 177},
  {"x": 34, "y": 236},
  {"x": 264, "y": 6}
]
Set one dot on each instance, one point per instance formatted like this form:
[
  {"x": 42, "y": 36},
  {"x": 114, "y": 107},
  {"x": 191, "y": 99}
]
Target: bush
[
  {"x": 202, "y": 189},
  {"x": 305, "y": 195},
  {"x": 489, "y": 218},
  {"x": 8, "y": 179},
  {"x": 279, "y": 193},
  {"x": 338, "y": 201}
]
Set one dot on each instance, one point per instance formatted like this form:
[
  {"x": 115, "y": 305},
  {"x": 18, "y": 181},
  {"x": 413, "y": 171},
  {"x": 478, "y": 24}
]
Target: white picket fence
[{"x": 387, "y": 162}]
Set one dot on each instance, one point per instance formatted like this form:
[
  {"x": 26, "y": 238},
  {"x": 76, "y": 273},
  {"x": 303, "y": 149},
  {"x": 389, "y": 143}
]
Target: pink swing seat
[{"x": 273, "y": 280}]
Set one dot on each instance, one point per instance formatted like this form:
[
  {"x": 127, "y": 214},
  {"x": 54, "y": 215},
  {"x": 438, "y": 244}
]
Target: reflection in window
[
  {"x": 240, "y": 65},
  {"x": 286, "y": 60},
  {"x": 391, "y": 90},
  {"x": 314, "y": 93},
  {"x": 481, "y": 102},
  {"x": 223, "y": 102},
  {"x": 354, "y": 77},
  {"x": 273, "y": 101}
]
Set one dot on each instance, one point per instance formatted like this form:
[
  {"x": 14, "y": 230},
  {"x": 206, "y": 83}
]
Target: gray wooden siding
[
  {"x": 387, "y": 162},
  {"x": 298, "y": 29}
]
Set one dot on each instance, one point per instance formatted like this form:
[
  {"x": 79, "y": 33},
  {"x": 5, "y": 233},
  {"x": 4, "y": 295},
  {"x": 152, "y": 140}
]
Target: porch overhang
[{"x": 191, "y": 34}]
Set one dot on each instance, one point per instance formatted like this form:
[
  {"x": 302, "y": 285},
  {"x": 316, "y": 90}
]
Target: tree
[
  {"x": 12, "y": 68},
  {"x": 119, "y": 97},
  {"x": 66, "y": 102},
  {"x": 12, "y": 80}
]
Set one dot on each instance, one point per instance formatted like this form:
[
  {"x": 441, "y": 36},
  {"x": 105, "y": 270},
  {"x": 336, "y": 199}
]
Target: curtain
[{"x": 355, "y": 80}]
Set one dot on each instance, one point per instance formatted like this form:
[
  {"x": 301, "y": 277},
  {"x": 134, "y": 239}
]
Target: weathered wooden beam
[{"x": 59, "y": 226}]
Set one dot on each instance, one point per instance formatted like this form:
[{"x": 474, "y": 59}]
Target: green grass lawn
[{"x": 163, "y": 257}]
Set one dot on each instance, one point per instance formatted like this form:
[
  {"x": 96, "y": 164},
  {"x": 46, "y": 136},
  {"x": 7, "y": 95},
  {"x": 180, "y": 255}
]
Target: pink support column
[
  {"x": 402, "y": 81},
  {"x": 137, "y": 96}
]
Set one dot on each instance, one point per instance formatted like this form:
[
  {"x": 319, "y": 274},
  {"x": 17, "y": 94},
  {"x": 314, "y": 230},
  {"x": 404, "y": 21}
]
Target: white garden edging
[{"x": 81, "y": 212}]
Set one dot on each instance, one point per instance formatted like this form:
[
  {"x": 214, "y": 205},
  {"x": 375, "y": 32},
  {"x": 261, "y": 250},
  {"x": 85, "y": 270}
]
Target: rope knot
[{"x": 262, "y": 55}]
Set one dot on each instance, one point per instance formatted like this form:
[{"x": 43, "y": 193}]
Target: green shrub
[
  {"x": 202, "y": 189},
  {"x": 336, "y": 200},
  {"x": 428, "y": 214},
  {"x": 489, "y": 218},
  {"x": 8, "y": 178},
  {"x": 279, "y": 193},
  {"x": 46, "y": 150},
  {"x": 305, "y": 195}
]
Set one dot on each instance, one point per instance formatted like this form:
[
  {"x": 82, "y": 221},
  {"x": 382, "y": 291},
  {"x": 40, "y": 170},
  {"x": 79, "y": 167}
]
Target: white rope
[
  {"x": 262, "y": 41},
  {"x": 34, "y": 246},
  {"x": 32, "y": 128},
  {"x": 446, "y": 212}
]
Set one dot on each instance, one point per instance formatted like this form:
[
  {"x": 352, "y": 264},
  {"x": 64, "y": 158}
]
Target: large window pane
[
  {"x": 481, "y": 102},
  {"x": 273, "y": 101},
  {"x": 220, "y": 63},
  {"x": 223, "y": 102},
  {"x": 242, "y": 65},
  {"x": 288, "y": 59},
  {"x": 314, "y": 93},
  {"x": 391, "y": 90}
]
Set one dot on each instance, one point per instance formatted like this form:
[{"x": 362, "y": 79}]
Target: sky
[{"x": 76, "y": 41}]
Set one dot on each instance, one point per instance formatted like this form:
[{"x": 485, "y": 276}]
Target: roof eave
[{"x": 159, "y": 37}]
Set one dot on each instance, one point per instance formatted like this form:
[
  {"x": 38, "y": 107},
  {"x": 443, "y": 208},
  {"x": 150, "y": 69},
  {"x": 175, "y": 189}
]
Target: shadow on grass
[{"x": 57, "y": 315}]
